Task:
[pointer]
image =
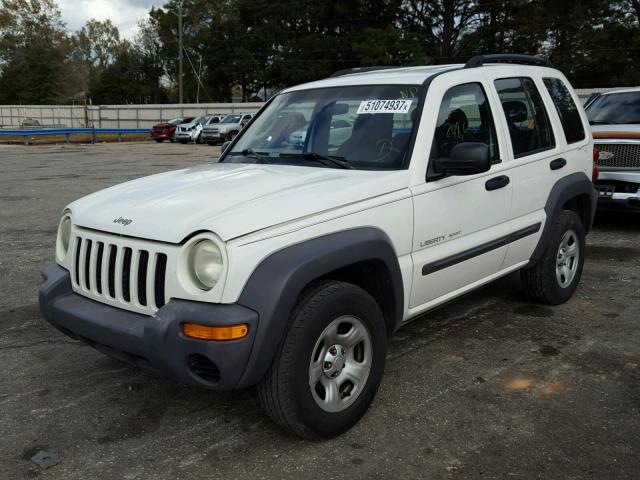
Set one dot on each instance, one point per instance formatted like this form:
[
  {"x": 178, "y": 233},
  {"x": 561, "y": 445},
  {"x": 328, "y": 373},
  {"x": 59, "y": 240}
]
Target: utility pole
[{"x": 180, "y": 51}]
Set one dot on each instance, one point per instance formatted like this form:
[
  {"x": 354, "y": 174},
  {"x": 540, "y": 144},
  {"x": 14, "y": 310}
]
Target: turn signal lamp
[{"x": 208, "y": 332}]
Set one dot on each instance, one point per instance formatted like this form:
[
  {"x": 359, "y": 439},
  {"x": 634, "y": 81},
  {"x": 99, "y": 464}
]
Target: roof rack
[
  {"x": 518, "y": 59},
  {"x": 348, "y": 71}
]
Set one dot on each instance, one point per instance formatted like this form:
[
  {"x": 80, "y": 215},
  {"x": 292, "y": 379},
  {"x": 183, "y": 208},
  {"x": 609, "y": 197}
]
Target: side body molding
[
  {"x": 278, "y": 280},
  {"x": 575, "y": 185}
]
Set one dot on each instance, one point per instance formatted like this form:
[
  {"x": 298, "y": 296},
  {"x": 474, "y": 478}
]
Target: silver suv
[{"x": 226, "y": 129}]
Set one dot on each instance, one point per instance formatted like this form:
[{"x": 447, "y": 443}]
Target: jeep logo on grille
[
  {"x": 123, "y": 221},
  {"x": 604, "y": 155}
]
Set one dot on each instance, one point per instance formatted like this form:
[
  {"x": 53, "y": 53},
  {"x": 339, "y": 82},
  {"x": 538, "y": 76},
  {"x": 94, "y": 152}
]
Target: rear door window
[
  {"x": 567, "y": 109},
  {"x": 527, "y": 119}
]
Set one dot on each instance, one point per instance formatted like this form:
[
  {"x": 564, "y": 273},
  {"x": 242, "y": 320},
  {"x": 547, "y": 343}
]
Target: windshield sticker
[{"x": 384, "y": 106}]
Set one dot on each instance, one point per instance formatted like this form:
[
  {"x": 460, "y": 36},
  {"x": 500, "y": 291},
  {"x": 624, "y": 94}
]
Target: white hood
[{"x": 230, "y": 200}]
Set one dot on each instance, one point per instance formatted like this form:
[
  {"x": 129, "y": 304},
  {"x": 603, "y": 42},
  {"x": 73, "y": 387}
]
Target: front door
[{"x": 461, "y": 223}]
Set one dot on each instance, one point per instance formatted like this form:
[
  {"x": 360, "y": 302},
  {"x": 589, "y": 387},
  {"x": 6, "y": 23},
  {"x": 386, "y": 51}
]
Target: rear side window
[
  {"x": 464, "y": 116},
  {"x": 567, "y": 109},
  {"x": 526, "y": 117}
]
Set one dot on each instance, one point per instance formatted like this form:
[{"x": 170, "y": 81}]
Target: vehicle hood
[
  {"x": 625, "y": 131},
  {"x": 188, "y": 125},
  {"x": 230, "y": 200},
  {"x": 223, "y": 125}
]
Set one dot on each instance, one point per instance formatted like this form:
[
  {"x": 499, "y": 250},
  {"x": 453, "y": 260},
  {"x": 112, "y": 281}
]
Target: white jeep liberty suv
[{"x": 288, "y": 264}]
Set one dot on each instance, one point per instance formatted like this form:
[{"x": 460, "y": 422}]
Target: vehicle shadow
[{"x": 617, "y": 220}]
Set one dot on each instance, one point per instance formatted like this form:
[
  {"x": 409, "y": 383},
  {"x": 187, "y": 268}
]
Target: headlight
[
  {"x": 64, "y": 237},
  {"x": 205, "y": 261}
]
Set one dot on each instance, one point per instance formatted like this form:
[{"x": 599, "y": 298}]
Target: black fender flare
[
  {"x": 573, "y": 185},
  {"x": 277, "y": 282}
]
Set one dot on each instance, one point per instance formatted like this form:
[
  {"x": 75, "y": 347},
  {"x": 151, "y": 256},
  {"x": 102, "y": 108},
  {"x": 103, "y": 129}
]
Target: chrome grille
[
  {"x": 118, "y": 273},
  {"x": 619, "y": 155}
]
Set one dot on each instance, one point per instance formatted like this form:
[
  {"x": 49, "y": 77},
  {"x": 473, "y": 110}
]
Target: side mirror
[
  {"x": 467, "y": 158},
  {"x": 225, "y": 145}
]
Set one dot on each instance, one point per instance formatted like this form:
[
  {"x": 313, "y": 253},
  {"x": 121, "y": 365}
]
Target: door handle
[
  {"x": 497, "y": 182},
  {"x": 557, "y": 164}
]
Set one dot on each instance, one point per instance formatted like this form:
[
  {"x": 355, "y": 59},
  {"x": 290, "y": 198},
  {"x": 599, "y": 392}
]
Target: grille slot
[
  {"x": 111, "y": 275},
  {"x": 625, "y": 156},
  {"x": 126, "y": 275},
  {"x": 161, "y": 267},
  {"x": 99, "y": 267},
  {"x": 87, "y": 265},
  {"x": 120, "y": 274},
  {"x": 142, "y": 277}
]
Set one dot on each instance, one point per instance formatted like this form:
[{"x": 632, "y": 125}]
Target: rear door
[
  {"x": 460, "y": 222},
  {"x": 539, "y": 152}
]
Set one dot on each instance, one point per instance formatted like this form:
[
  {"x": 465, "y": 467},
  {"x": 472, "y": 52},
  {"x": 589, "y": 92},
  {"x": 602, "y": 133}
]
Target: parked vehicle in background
[
  {"x": 289, "y": 265},
  {"x": 226, "y": 129},
  {"x": 165, "y": 130},
  {"x": 615, "y": 124},
  {"x": 191, "y": 131}
]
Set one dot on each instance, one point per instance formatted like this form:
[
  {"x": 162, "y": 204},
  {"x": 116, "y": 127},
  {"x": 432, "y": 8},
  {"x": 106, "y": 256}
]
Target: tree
[
  {"x": 33, "y": 51},
  {"x": 98, "y": 43}
]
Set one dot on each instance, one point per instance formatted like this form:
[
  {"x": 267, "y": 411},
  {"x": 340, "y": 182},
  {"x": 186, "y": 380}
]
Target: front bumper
[
  {"x": 212, "y": 136},
  {"x": 618, "y": 190},
  {"x": 184, "y": 136},
  {"x": 164, "y": 134},
  {"x": 152, "y": 342}
]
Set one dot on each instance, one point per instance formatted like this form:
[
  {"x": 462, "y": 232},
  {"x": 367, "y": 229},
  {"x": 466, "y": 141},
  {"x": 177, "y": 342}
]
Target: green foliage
[{"x": 252, "y": 47}]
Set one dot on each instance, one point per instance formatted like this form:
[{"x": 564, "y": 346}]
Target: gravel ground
[{"x": 489, "y": 386}]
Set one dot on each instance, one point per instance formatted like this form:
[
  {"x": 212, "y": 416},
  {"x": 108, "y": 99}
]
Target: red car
[{"x": 164, "y": 131}]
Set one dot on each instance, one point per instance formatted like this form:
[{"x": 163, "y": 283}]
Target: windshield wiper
[
  {"x": 336, "y": 161},
  {"x": 250, "y": 153}
]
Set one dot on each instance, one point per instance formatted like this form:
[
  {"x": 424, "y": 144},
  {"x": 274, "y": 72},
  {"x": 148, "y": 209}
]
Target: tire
[
  {"x": 159, "y": 140},
  {"x": 211, "y": 144},
  {"x": 556, "y": 277},
  {"x": 183, "y": 142},
  {"x": 328, "y": 311},
  {"x": 231, "y": 136}
]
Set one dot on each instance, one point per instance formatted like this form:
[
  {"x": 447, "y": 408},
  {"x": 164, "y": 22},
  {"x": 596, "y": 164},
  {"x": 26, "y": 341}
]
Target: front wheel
[
  {"x": 330, "y": 364},
  {"x": 555, "y": 279},
  {"x": 231, "y": 136},
  {"x": 159, "y": 140}
]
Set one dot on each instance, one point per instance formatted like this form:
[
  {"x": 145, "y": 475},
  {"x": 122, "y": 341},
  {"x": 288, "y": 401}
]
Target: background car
[
  {"x": 165, "y": 130},
  {"x": 226, "y": 129},
  {"x": 615, "y": 123},
  {"x": 190, "y": 132}
]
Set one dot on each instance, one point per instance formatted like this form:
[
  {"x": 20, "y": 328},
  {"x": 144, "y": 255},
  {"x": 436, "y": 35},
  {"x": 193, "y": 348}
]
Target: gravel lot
[{"x": 490, "y": 386}]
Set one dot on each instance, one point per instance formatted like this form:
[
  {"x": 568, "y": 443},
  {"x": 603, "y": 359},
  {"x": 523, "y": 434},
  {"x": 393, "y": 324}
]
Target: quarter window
[
  {"x": 464, "y": 116},
  {"x": 527, "y": 119},
  {"x": 567, "y": 110}
]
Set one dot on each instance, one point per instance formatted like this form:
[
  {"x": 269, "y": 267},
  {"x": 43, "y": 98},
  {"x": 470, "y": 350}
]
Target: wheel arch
[
  {"x": 574, "y": 192},
  {"x": 275, "y": 285}
]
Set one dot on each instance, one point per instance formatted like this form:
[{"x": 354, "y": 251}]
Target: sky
[{"x": 125, "y": 14}]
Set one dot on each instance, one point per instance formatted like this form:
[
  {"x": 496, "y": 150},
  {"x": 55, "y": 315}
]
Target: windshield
[
  {"x": 175, "y": 121},
  {"x": 201, "y": 120},
  {"x": 615, "y": 108},
  {"x": 365, "y": 127},
  {"x": 231, "y": 119}
]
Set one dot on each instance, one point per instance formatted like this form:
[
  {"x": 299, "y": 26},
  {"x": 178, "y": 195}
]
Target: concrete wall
[
  {"x": 112, "y": 116},
  {"x": 137, "y": 116}
]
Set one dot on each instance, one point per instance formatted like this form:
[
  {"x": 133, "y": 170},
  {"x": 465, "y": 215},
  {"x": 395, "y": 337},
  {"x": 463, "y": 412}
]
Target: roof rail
[
  {"x": 348, "y": 71},
  {"x": 518, "y": 59}
]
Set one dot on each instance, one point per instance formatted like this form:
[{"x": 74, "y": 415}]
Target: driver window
[{"x": 464, "y": 116}]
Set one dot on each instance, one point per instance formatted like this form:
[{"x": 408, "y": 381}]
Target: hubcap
[
  {"x": 340, "y": 364},
  {"x": 567, "y": 259}
]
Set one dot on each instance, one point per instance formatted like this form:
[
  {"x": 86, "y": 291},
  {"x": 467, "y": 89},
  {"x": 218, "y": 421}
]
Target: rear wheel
[
  {"x": 555, "y": 279},
  {"x": 330, "y": 364}
]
